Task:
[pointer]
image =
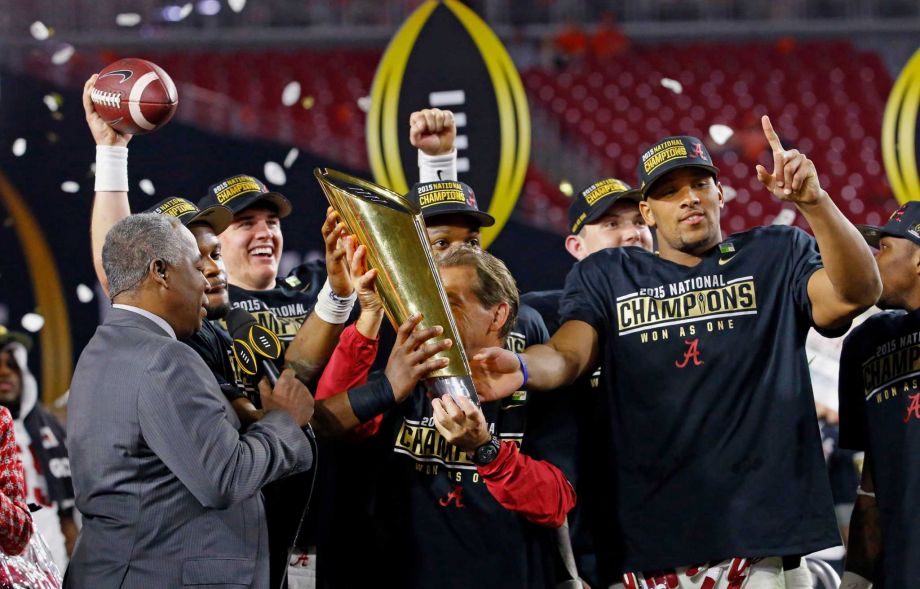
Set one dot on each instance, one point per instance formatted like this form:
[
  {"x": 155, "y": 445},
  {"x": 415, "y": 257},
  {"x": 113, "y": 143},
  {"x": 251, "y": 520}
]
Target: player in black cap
[
  {"x": 719, "y": 460},
  {"x": 880, "y": 414}
]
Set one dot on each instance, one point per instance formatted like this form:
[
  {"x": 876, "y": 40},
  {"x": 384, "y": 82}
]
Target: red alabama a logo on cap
[{"x": 697, "y": 152}]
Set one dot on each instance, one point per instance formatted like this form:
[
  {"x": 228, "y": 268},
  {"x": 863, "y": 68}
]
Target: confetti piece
[
  {"x": 308, "y": 102},
  {"x": 728, "y": 193},
  {"x": 672, "y": 85},
  {"x": 275, "y": 174},
  {"x": 63, "y": 55},
  {"x": 147, "y": 186},
  {"x": 52, "y": 101},
  {"x": 19, "y": 147},
  {"x": 186, "y": 10},
  {"x": 291, "y": 157},
  {"x": 565, "y": 187},
  {"x": 32, "y": 322},
  {"x": 720, "y": 133},
  {"x": 128, "y": 19},
  {"x": 364, "y": 103},
  {"x": 39, "y": 30},
  {"x": 70, "y": 186},
  {"x": 785, "y": 217},
  {"x": 291, "y": 93},
  {"x": 236, "y": 5},
  {"x": 84, "y": 293}
]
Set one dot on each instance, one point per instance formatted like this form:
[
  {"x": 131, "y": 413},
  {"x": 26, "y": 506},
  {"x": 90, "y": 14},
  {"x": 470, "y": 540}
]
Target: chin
[{"x": 218, "y": 311}]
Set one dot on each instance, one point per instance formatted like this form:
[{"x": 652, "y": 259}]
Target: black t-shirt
[
  {"x": 215, "y": 347},
  {"x": 709, "y": 401},
  {"x": 546, "y": 304},
  {"x": 440, "y": 526},
  {"x": 282, "y": 309},
  {"x": 880, "y": 412}
]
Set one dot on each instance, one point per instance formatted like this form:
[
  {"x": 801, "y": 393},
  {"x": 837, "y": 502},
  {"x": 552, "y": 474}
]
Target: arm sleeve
[
  {"x": 584, "y": 298},
  {"x": 15, "y": 519},
  {"x": 851, "y": 393},
  {"x": 348, "y": 367},
  {"x": 534, "y": 488},
  {"x": 184, "y": 421}
]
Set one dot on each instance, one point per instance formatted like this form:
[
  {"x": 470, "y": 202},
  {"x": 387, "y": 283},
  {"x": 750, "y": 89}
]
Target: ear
[
  {"x": 721, "y": 194},
  {"x": 647, "y": 213},
  {"x": 574, "y": 246},
  {"x": 157, "y": 271},
  {"x": 500, "y": 313}
]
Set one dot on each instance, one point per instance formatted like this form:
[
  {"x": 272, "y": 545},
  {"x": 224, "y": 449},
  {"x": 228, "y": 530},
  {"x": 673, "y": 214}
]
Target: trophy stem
[{"x": 455, "y": 386}]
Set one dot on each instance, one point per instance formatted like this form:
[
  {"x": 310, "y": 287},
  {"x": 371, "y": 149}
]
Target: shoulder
[
  {"x": 771, "y": 234},
  {"x": 541, "y": 298},
  {"x": 173, "y": 355},
  {"x": 307, "y": 278},
  {"x": 880, "y": 323}
]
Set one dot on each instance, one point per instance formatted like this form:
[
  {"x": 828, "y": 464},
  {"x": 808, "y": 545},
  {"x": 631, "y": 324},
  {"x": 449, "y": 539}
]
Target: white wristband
[
  {"x": 851, "y": 580},
  {"x": 332, "y": 308},
  {"x": 860, "y": 492},
  {"x": 111, "y": 168},
  {"x": 432, "y": 168}
]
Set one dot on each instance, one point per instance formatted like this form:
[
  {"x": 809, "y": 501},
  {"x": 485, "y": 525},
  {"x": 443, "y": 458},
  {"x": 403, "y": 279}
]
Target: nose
[{"x": 263, "y": 230}]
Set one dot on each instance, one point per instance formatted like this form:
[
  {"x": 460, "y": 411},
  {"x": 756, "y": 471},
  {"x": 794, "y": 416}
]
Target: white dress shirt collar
[{"x": 152, "y": 316}]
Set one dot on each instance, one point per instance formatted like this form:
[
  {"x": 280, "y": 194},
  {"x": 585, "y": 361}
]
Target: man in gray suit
[{"x": 168, "y": 487}]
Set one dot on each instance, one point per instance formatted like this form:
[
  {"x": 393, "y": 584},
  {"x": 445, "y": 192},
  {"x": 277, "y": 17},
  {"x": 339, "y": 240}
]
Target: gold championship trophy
[{"x": 392, "y": 230}]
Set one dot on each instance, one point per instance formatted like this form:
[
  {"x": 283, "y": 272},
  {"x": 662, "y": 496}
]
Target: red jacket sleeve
[
  {"x": 15, "y": 519},
  {"x": 348, "y": 367},
  {"x": 534, "y": 488}
]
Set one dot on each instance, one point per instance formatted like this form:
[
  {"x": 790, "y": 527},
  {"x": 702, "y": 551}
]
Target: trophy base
[{"x": 455, "y": 386}]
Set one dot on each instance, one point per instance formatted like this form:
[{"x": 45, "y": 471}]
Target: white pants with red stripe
[{"x": 737, "y": 573}]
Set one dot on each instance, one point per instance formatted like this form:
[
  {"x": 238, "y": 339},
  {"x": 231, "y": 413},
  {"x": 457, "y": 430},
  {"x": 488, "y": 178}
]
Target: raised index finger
[{"x": 772, "y": 137}]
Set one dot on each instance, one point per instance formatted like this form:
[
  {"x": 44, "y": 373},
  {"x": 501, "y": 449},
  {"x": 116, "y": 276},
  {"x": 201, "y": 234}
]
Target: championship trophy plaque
[{"x": 408, "y": 282}]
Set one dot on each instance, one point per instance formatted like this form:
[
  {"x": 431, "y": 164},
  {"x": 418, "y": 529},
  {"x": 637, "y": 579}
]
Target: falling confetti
[
  {"x": 39, "y": 30},
  {"x": 291, "y": 157},
  {"x": 208, "y": 7},
  {"x": 308, "y": 102},
  {"x": 84, "y": 293},
  {"x": 128, "y": 19},
  {"x": 52, "y": 137},
  {"x": 720, "y": 133},
  {"x": 565, "y": 187},
  {"x": 53, "y": 101},
  {"x": 19, "y": 147},
  {"x": 364, "y": 103},
  {"x": 275, "y": 173},
  {"x": 186, "y": 10},
  {"x": 70, "y": 186},
  {"x": 785, "y": 217},
  {"x": 672, "y": 85},
  {"x": 728, "y": 193},
  {"x": 291, "y": 94},
  {"x": 32, "y": 322},
  {"x": 236, "y": 5},
  {"x": 63, "y": 55},
  {"x": 147, "y": 186}
]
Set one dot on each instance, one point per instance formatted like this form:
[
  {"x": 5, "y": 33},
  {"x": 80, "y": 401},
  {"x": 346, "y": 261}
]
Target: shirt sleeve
[
  {"x": 852, "y": 398},
  {"x": 584, "y": 298},
  {"x": 348, "y": 367},
  {"x": 15, "y": 519}
]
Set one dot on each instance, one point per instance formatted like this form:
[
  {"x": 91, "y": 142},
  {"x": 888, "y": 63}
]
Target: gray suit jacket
[{"x": 168, "y": 487}]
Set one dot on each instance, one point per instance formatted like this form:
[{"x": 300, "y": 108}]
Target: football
[{"x": 134, "y": 96}]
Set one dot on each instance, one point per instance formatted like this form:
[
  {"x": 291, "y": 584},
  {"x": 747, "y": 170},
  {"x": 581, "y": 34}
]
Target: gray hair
[
  {"x": 134, "y": 242},
  {"x": 494, "y": 282}
]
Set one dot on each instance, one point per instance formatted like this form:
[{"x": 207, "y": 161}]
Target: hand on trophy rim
[
  {"x": 337, "y": 268},
  {"x": 496, "y": 373},
  {"x": 460, "y": 422},
  {"x": 411, "y": 358}
]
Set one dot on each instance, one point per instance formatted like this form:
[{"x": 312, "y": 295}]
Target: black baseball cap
[
  {"x": 241, "y": 191},
  {"x": 903, "y": 223},
  {"x": 218, "y": 217},
  {"x": 8, "y": 337},
  {"x": 679, "y": 151},
  {"x": 448, "y": 197},
  {"x": 590, "y": 204}
]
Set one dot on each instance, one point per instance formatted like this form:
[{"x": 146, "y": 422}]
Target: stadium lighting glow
[{"x": 208, "y": 7}]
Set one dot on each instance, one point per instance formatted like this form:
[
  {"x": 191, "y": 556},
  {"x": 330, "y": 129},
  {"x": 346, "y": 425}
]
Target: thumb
[
  {"x": 765, "y": 178},
  {"x": 265, "y": 389}
]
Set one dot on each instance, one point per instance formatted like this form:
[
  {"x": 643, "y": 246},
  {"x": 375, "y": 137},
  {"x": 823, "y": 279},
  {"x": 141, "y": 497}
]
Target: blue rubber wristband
[{"x": 523, "y": 369}]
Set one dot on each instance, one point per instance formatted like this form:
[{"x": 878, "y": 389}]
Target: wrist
[
  {"x": 523, "y": 368},
  {"x": 484, "y": 453},
  {"x": 437, "y": 167},
  {"x": 111, "y": 168},
  {"x": 333, "y": 308}
]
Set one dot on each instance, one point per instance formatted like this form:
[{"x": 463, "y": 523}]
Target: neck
[
  {"x": 688, "y": 258},
  {"x": 249, "y": 284}
]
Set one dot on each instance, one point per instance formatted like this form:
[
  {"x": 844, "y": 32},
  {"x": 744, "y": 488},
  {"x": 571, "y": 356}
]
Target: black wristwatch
[{"x": 486, "y": 453}]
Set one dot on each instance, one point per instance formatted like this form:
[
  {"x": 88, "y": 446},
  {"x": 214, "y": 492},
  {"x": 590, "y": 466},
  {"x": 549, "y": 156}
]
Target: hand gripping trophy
[{"x": 393, "y": 231}]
